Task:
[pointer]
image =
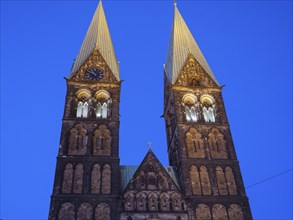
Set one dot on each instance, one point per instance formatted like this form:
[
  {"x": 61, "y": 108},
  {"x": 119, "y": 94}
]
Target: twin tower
[{"x": 203, "y": 181}]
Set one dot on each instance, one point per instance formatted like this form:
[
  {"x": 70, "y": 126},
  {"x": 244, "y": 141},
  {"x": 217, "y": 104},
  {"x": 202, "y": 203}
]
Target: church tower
[
  {"x": 87, "y": 178},
  {"x": 200, "y": 145}
]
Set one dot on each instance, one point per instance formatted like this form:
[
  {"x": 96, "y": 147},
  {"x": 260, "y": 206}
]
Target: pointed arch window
[
  {"x": 82, "y": 109},
  {"x": 103, "y": 104},
  {"x": 217, "y": 144},
  {"x": 77, "y": 140},
  {"x": 194, "y": 143},
  {"x": 102, "y": 141},
  {"x": 208, "y": 108},
  {"x": 191, "y": 108}
]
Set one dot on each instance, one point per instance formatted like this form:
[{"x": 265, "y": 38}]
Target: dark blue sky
[{"x": 248, "y": 45}]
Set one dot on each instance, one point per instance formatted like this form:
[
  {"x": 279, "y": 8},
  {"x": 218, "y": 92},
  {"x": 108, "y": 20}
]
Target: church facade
[{"x": 203, "y": 180}]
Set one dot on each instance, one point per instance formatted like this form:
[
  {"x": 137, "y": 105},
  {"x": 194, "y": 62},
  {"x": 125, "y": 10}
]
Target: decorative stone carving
[
  {"x": 217, "y": 144},
  {"x": 96, "y": 179},
  {"x": 164, "y": 201},
  {"x": 95, "y": 60},
  {"x": 66, "y": 211},
  {"x": 203, "y": 212},
  {"x": 77, "y": 140},
  {"x": 129, "y": 201},
  {"x": 176, "y": 202},
  {"x": 153, "y": 201},
  {"x": 67, "y": 178},
  {"x": 193, "y": 75},
  {"x": 219, "y": 212},
  {"x": 85, "y": 212},
  {"x": 195, "y": 144},
  {"x": 102, "y": 141},
  {"x": 141, "y": 201}
]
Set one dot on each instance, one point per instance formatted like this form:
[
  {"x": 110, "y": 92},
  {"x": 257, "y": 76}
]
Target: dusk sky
[{"x": 248, "y": 45}]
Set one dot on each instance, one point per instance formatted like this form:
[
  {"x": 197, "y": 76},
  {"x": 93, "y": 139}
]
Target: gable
[
  {"x": 95, "y": 60},
  {"x": 150, "y": 175},
  {"x": 193, "y": 74}
]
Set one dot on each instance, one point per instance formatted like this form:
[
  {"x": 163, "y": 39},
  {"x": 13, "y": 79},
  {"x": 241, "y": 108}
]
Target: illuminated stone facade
[{"x": 203, "y": 181}]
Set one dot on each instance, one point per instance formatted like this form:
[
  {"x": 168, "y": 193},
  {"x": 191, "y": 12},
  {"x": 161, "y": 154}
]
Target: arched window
[
  {"x": 203, "y": 212},
  {"x": 221, "y": 180},
  {"x": 208, "y": 108},
  {"x": 235, "y": 212},
  {"x": 67, "y": 178},
  {"x": 78, "y": 178},
  {"x": 232, "y": 188},
  {"x": 82, "y": 109},
  {"x": 205, "y": 181},
  {"x": 191, "y": 108},
  {"x": 96, "y": 179},
  {"x": 103, "y": 104},
  {"x": 77, "y": 140},
  {"x": 102, "y": 212},
  {"x": 195, "y": 144},
  {"x": 219, "y": 212},
  {"x": 66, "y": 211},
  {"x": 106, "y": 179},
  {"x": 85, "y": 212},
  {"x": 102, "y": 141},
  {"x": 217, "y": 144},
  {"x": 195, "y": 181}
]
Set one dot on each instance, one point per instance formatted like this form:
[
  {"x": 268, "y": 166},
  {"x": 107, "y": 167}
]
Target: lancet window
[
  {"x": 195, "y": 181},
  {"x": 67, "y": 178},
  {"x": 191, "y": 108},
  {"x": 205, "y": 181},
  {"x": 208, "y": 108},
  {"x": 103, "y": 102},
  {"x": 82, "y": 108},
  {"x": 78, "y": 179},
  {"x": 106, "y": 179},
  {"x": 96, "y": 179}
]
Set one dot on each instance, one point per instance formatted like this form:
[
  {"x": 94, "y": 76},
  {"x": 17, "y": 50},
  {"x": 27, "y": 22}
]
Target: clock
[{"x": 94, "y": 74}]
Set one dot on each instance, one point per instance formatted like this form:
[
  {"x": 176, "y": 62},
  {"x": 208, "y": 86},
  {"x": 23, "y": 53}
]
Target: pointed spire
[
  {"x": 181, "y": 45},
  {"x": 97, "y": 37}
]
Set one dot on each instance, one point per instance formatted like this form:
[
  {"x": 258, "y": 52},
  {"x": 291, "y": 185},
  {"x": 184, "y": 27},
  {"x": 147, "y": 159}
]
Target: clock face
[{"x": 94, "y": 74}]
